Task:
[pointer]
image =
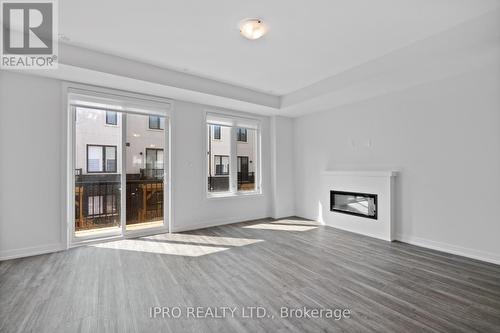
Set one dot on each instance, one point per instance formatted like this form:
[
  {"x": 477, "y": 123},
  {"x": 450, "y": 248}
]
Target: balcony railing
[
  {"x": 246, "y": 177},
  {"x": 246, "y": 181},
  {"x": 97, "y": 201}
]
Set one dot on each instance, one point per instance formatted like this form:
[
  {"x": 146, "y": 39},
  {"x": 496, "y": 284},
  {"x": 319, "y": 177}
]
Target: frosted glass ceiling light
[{"x": 252, "y": 28}]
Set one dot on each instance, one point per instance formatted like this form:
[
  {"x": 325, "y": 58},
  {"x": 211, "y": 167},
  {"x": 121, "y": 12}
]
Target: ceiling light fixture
[{"x": 252, "y": 28}]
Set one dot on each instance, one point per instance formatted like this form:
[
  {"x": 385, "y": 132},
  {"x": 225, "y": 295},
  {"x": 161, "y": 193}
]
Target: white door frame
[{"x": 127, "y": 103}]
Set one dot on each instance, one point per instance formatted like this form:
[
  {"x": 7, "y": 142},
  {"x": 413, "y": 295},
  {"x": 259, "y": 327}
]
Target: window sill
[{"x": 225, "y": 195}]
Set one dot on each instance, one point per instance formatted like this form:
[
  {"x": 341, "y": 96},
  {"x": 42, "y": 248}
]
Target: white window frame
[
  {"x": 234, "y": 121},
  {"x": 122, "y": 102}
]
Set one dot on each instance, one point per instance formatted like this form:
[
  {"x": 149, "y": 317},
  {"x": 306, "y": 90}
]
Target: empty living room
[{"x": 263, "y": 166}]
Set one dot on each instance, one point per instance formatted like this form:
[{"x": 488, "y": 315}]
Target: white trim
[
  {"x": 31, "y": 251},
  {"x": 450, "y": 248},
  {"x": 238, "y": 194},
  {"x": 116, "y": 95},
  {"x": 365, "y": 173},
  {"x": 66, "y": 164},
  {"x": 231, "y": 120},
  {"x": 123, "y": 176}
]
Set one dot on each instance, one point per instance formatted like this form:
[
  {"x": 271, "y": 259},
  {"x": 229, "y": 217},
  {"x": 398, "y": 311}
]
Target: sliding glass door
[
  {"x": 98, "y": 170},
  {"x": 145, "y": 156},
  {"x": 119, "y": 161}
]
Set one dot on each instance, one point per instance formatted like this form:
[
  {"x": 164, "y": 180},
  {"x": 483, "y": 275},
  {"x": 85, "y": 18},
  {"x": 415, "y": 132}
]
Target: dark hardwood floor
[{"x": 388, "y": 287}]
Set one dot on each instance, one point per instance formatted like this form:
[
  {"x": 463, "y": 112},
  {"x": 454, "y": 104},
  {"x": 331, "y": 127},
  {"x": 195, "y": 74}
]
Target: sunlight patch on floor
[
  {"x": 176, "y": 249},
  {"x": 205, "y": 240},
  {"x": 178, "y": 244}
]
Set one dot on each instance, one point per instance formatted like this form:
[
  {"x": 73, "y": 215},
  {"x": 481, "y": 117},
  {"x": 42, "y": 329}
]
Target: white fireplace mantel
[
  {"x": 379, "y": 182},
  {"x": 365, "y": 173}
]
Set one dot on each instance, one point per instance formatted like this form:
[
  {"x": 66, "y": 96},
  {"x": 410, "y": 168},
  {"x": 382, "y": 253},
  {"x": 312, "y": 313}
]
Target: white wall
[
  {"x": 283, "y": 166},
  {"x": 31, "y": 191},
  {"x": 443, "y": 136},
  {"x": 30, "y": 165}
]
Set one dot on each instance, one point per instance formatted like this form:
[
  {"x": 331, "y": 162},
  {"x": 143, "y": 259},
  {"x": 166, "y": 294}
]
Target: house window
[
  {"x": 241, "y": 134},
  {"x": 111, "y": 118},
  {"x": 102, "y": 205},
  {"x": 231, "y": 167},
  {"x": 156, "y": 122},
  {"x": 221, "y": 165},
  {"x": 154, "y": 163},
  {"x": 96, "y": 205},
  {"x": 101, "y": 159},
  {"x": 216, "y": 132}
]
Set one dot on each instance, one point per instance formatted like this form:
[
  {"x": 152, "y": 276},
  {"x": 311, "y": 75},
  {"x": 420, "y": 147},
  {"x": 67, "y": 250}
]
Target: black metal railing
[
  {"x": 97, "y": 200},
  {"x": 246, "y": 181},
  {"x": 144, "y": 200},
  {"x": 97, "y": 203},
  {"x": 246, "y": 177}
]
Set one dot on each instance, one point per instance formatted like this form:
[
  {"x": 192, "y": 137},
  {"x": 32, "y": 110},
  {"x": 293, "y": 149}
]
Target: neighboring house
[
  {"x": 98, "y": 143},
  {"x": 219, "y": 165}
]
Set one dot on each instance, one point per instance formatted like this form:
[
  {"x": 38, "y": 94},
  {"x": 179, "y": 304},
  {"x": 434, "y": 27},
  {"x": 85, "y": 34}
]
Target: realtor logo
[{"x": 29, "y": 34}]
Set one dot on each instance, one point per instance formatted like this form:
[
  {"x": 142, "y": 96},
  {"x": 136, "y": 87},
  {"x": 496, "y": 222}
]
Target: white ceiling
[{"x": 308, "y": 41}]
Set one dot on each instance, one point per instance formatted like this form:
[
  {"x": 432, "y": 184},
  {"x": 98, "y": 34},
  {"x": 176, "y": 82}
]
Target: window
[
  {"x": 156, "y": 122},
  {"x": 247, "y": 155},
  {"x": 221, "y": 165},
  {"x": 154, "y": 163},
  {"x": 243, "y": 171},
  {"x": 216, "y": 132},
  {"x": 241, "y": 134},
  {"x": 111, "y": 118},
  {"x": 232, "y": 168},
  {"x": 96, "y": 205},
  {"x": 102, "y": 205},
  {"x": 154, "y": 158},
  {"x": 101, "y": 158}
]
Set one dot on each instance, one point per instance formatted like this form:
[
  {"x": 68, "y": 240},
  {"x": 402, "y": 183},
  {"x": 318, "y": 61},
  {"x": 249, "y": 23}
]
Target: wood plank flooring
[{"x": 388, "y": 287}]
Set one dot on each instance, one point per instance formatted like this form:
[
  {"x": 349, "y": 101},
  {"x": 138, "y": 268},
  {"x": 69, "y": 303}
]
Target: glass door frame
[{"x": 148, "y": 108}]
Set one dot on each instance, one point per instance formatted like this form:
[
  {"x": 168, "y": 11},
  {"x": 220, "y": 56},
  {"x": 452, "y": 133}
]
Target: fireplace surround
[{"x": 362, "y": 187}]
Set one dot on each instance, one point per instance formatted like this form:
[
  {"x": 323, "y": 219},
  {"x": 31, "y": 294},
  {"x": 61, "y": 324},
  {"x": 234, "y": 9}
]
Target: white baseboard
[
  {"x": 449, "y": 248},
  {"x": 30, "y": 251},
  {"x": 215, "y": 223}
]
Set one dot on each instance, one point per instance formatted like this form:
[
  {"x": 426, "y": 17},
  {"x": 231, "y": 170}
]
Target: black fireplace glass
[{"x": 354, "y": 203}]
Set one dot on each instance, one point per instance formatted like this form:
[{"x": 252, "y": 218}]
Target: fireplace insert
[{"x": 353, "y": 203}]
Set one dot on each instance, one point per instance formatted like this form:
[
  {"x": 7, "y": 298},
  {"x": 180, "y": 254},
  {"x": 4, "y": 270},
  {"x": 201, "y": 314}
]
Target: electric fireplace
[{"x": 354, "y": 203}]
